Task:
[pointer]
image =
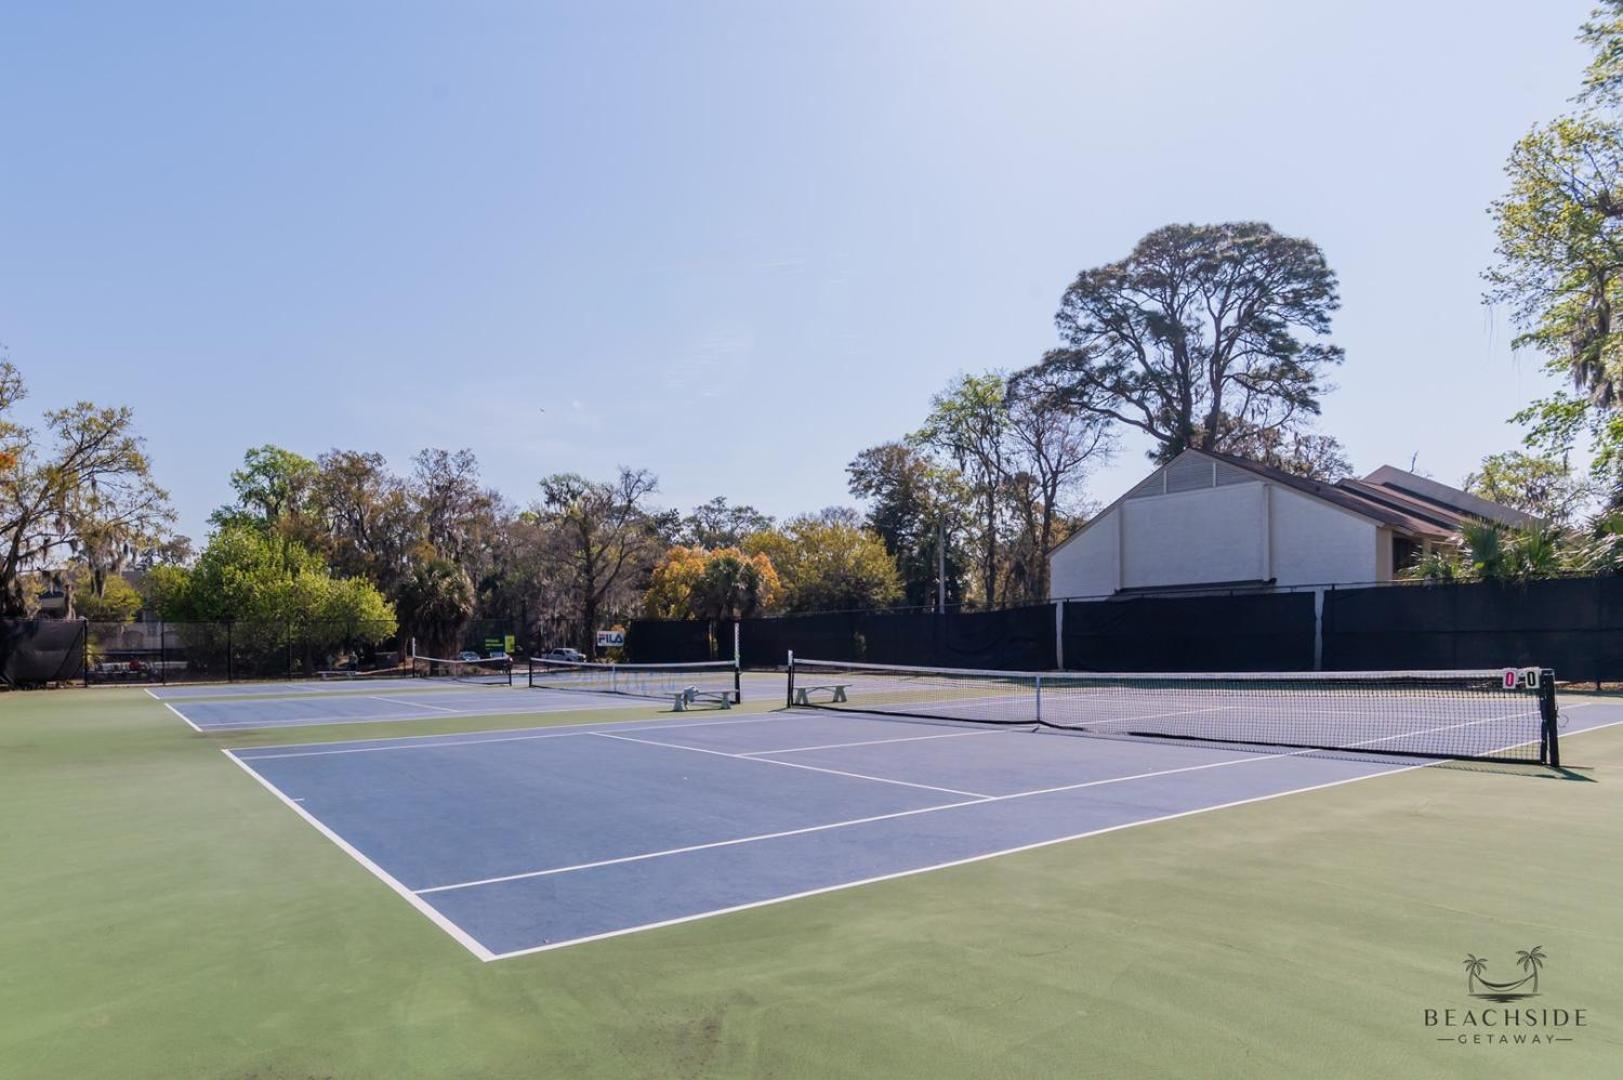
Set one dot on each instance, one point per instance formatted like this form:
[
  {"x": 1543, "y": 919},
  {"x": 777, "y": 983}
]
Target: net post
[
  {"x": 1038, "y": 680},
  {"x": 789, "y": 701},
  {"x": 1549, "y": 737}
]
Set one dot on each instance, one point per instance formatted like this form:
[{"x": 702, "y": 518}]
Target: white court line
[
  {"x": 1394, "y": 771},
  {"x": 147, "y": 690},
  {"x": 877, "y": 742},
  {"x": 794, "y": 765},
  {"x": 461, "y": 936},
  {"x": 470, "y": 712},
  {"x": 944, "y": 865},
  {"x": 1101, "y": 782},
  {"x": 184, "y": 717},
  {"x": 561, "y": 731},
  {"x": 413, "y": 704}
]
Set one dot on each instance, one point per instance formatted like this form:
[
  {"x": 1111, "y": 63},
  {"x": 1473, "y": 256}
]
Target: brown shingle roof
[{"x": 1388, "y": 511}]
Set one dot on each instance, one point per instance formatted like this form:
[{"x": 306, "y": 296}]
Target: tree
[
  {"x": 371, "y": 527},
  {"x": 275, "y": 495},
  {"x": 457, "y": 514},
  {"x": 692, "y": 583},
  {"x": 718, "y": 525},
  {"x": 1304, "y": 453},
  {"x": 1535, "y": 484},
  {"x": 1560, "y": 258},
  {"x": 90, "y": 490},
  {"x": 436, "y": 601},
  {"x": 1530, "y": 960},
  {"x": 274, "y": 593},
  {"x": 673, "y": 582},
  {"x": 826, "y": 562},
  {"x": 969, "y": 425},
  {"x": 117, "y": 601},
  {"x": 913, "y": 508},
  {"x": 1053, "y": 449},
  {"x": 1197, "y": 337},
  {"x": 604, "y": 540}
]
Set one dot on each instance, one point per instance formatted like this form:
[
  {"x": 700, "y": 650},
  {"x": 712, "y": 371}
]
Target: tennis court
[
  {"x": 537, "y": 690},
  {"x": 520, "y": 841},
  {"x": 417, "y": 700}
]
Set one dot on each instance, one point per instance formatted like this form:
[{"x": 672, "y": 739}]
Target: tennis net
[
  {"x": 1494, "y": 715},
  {"x": 493, "y": 672},
  {"x": 638, "y": 680}
]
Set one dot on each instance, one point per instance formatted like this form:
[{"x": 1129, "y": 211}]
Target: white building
[{"x": 1208, "y": 520}]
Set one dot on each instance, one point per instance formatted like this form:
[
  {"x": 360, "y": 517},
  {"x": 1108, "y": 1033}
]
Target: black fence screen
[
  {"x": 34, "y": 652},
  {"x": 765, "y": 643},
  {"x": 1574, "y": 626},
  {"x": 38, "y": 651},
  {"x": 1249, "y": 632},
  {"x": 669, "y": 641},
  {"x": 1014, "y": 639}
]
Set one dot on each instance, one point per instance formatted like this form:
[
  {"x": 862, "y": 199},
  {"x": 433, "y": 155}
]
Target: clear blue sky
[{"x": 734, "y": 243}]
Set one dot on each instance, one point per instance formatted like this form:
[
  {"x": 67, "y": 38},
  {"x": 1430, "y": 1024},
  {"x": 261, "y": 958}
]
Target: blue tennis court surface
[
  {"x": 289, "y": 688},
  {"x": 520, "y": 841},
  {"x": 306, "y": 710}
]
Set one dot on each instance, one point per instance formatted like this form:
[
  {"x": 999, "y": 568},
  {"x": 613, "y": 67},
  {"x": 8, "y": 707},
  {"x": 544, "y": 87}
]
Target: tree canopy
[
  {"x": 1559, "y": 269},
  {"x": 80, "y": 489},
  {"x": 1202, "y": 336}
]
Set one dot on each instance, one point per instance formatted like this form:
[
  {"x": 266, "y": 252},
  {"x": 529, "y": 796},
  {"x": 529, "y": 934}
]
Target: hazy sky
[{"x": 734, "y": 243}]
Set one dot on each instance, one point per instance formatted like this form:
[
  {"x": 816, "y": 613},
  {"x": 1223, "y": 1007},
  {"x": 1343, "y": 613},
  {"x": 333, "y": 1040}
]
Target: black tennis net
[
  {"x": 1499, "y": 715},
  {"x": 638, "y": 680},
  {"x": 492, "y": 672}
]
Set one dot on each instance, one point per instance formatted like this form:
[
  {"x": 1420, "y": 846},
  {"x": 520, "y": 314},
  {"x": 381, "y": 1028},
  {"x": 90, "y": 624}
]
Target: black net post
[
  {"x": 1550, "y": 741},
  {"x": 789, "y": 701}
]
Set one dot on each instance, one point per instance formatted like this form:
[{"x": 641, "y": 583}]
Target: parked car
[
  {"x": 468, "y": 654},
  {"x": 570, "y": 656}
]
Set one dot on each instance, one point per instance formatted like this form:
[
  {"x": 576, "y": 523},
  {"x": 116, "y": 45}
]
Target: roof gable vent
[{"x": 1189, "y": 473}]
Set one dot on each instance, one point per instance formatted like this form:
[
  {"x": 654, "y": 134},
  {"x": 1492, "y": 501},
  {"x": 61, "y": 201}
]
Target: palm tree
[
  {"x": 435, "y": 602},
  {"x": 1473, "y": 970},
  {"x": 1531, "y": 960},
  {"x": 1487, "y": 554}
]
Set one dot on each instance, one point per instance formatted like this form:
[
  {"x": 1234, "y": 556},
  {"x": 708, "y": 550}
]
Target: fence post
[
  {"x": 1059, "y": 635},
  {"x": 163, "y": 653},
  {"x": 290, "y": 652},
  {"x": 230, "y": 655},
  {"x": 1318, "y": 629},
  {"x": 84, "y": 650}
]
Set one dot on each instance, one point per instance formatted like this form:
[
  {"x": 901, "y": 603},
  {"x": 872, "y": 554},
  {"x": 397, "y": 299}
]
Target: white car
[{"x": 569, "y": 656}]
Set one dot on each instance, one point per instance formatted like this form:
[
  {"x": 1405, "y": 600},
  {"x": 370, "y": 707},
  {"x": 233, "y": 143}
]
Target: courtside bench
[{"x": 835, "y": 690}]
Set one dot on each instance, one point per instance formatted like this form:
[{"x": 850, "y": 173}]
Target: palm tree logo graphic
[{"x": 1529, "y": 960}]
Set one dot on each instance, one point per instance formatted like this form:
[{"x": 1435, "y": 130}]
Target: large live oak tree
[
  {"x": 1201, "y": 337},
  {"x": 82, "y": 490}
]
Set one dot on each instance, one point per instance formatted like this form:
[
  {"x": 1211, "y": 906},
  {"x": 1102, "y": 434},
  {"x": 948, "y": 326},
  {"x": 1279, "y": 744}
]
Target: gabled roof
[
  {"x": 1359, "y": 500},
  {"x": 1410, "y": 505},
  {"x": 1423, "y": 490}
]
